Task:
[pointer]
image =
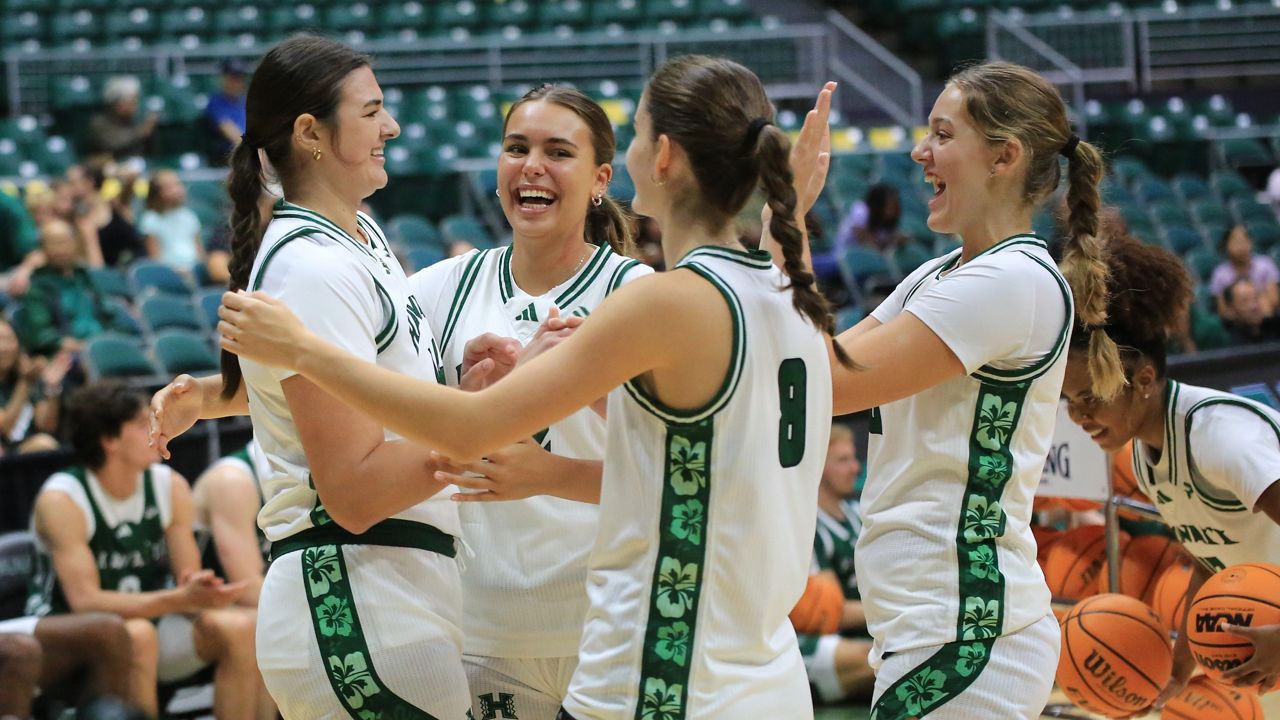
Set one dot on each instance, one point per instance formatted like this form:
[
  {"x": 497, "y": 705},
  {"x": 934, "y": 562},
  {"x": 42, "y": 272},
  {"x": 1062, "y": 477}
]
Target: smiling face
[
  {"x": 957, "y": 159},
  {"x": 547, "y": 173},
  {"x": 1110, "y": 424},
  {"x": 360, "y": 130}
]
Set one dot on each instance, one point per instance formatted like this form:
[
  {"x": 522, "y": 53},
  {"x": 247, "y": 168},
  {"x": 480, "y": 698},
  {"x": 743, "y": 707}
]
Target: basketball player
[
  {"x": 363, "y": 540},
  {"x": 113, "y": 532},
  {"x": 964, "y": 361},
  {"x": 227, "y": 497},
  {"x": 1208, "y": 460},
  {"x": 689, "y": 598}
]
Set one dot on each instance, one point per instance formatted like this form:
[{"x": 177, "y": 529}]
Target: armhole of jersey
[
  {"x": 737, "y": 360},
  {"x": 162, "y": 481},
  {"x": 1211, "y": 501},
  {"x": 620, "y": 274},
  {"x": 1041, "y": 366},
  {"x": 945, "y": 263},
  {"x": 466, "y": 283},
  {"x": 73, "y": 488}
]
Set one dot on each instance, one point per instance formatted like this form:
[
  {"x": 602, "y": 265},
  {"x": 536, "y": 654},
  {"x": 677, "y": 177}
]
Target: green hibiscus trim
[
  {"x": 352, "y": 679},
  {"x": 687, "y": 521},
  {"x": 662, "y": 702},
  {"x": 320, "y": 566},
  {"x": 982, "y": 563},
  {"x": 673, "y": 643},
  {"x": 981, "y": 618},
  {"x": 983, "y": 519},
  {"x": 334, "y": 617},
  {"x": 688, "y": 463},
  {"x": 995, "y": 422},
  {"x": 923, "y": 690},
  {"x": 677, "y": 584},
  {"x": 994, "y": 469},
  {"x": 973, "y": 657}
]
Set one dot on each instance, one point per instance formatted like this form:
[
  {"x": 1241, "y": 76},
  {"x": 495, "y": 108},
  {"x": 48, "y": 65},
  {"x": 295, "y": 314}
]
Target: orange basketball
[
  {"x": 1141, "y": 563},
  {"x": 1116, "y": 657},
  {"x": 1045, "y": 536},
  {"x": 1074, "y": 560},
  {"x": 1169, "y": 598},
  {"x": 1246, "y": 594},
  {"x": 1123, "y": 481},
  {"x": 1204, "y": 699}
]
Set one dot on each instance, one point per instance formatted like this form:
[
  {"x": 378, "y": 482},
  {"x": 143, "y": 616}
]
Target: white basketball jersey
[
  {"x": 707, "y": 521},
  {"x": 946, "y": 553},
  {"x": 524, "y": 588},
  {"x": 1221, "y": 452},
  {"x": 356, "y": 296}
]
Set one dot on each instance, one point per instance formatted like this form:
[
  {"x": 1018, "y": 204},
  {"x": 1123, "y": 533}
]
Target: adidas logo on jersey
[
  {"x": 123, "y": 532},
  {"x": 530, "y": 313}
]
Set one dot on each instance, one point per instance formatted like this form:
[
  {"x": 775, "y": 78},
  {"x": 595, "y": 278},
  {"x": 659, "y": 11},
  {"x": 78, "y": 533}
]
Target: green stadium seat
[
  {"x": 1229, "y": 184},
  {"x": 1265, "y": 235},
  {"x": 1128, "y": 169},
  {"x": 464, "y": 228},
  {"x": 617, "y": 11},
  {"x": 155, "y": 276},
  {"x": 1209, "y": 213},
  {"x": 25, "y": 131},
  {"x": 1207, "y": 329},
  {"x": 1259, "y": 393},
  {"x": 180, "y": 21},
  {"x": 910, "y": 256},
  {"x": 1217, "y": 109},
  {"x": 570, "y": 13},
  {"x": 344, "y": 17},
  {"x": 135, "y": 22},
  {"x": 406, "y": 15},
  {"x": 458, "y": 13},
  {"x": 1247, "y": 210},
  {"x": 681, "y": 11},
  {"x": 54, "y": 156},
  {"x": 1169, "y": 213},
  {"x": 512, "y": 12},
  {"x": 1202, "y": 261},
  {"x": 117, "y": 356},
  {"x": 1113, "y": 191},
  {"x": 9, "y": 157},
  {"x": 161, "y": 311},
  {"x": 65, "y": 25},
  {"x": 21, "y": 26},
  {"x": 1152, "y": 190},
  {"x": 848, "y": 317},
  {"x": 423, "y": 257},
  {"x": 290, "y": 18},
  {"x": 414, "y": 231},
  {"x": 180, "y": 352},
  {"x": 1189, "y": 186},
  {"x": 859, "y": 265},
  {"x": 110, "y": 282},
  {"x": 1244, "y": 152},
  {"x": 123, "y": 320},
  {"x": 230, "y": 21}
]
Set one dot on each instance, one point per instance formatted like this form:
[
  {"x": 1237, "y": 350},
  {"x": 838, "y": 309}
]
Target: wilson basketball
[
  {"x": 1247, "y": 594},
  {"x": 1204, "y": 699},
  {"x": 1141, "y": 562},
  {"x": 1116, "y": 656},
  {"x": 1074, "y": 560},
  {"x": 1169, "y": 598}
]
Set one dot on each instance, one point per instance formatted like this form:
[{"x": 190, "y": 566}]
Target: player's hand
[
  {"x": 486, "y": 359},
  {"x": 811, "y": 152},
  {"x": 259, "y": 327},
  {"x": 553, "y": 331},
  {"x": 1263, "y": 669},
  {"x": 515, "y": 472},
  {"x": 174, "y": 409},
  {"x": 820, "y": 607},
  {"x": 1184, "y": 664},
  {"x": 205, "y": 591}
]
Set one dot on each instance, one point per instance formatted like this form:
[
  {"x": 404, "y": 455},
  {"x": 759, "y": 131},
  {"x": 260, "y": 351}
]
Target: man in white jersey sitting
[
  {"x": 104, "y": 529},
  {"x": 227, "y": 497}
]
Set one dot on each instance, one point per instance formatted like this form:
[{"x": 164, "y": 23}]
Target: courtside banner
[{"x": 1076, "y": 466}]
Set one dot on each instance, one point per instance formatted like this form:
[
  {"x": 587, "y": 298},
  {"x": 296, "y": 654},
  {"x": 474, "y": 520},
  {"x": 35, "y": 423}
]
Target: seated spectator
[
  {"x": 837, "y": 663},
  {"x": 114, "y": 534},
  {"x": 224, "y": 115},
  {"x": 116, "y": 131},
  {"x": 72, "y": 658},
  {"x": 227, "y": 498},
  {"x": 1242, "y": 264},
  {"x": 1248, "y": 321},
  {"x": 103, "y": 224},
  {"x": 171, "y": 230},
  {"x": 872, "y": 222},
  {"x": 30, "y": 396},
  {"x": 62, "y": 308}
]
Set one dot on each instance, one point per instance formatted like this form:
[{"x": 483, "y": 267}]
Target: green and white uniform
[
  {"x": 1221, "y": 452},
  {"x": 524, "y": 589},
  {"x": 127, "y": 539},
  {"x": 946, "y": 560},
  {"x": 383, "y": 606},
  {"x": 250, "y": 461},
  {"x": 707, "y": 522},
  {"x": 833, "y": 549}
]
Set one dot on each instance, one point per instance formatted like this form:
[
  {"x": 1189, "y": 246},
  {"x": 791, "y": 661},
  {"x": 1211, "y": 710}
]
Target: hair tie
[
  {"x": 248, "y": 140},
  {"x": 753, "y": 132},
  {"x": 1070, "y": 148}
]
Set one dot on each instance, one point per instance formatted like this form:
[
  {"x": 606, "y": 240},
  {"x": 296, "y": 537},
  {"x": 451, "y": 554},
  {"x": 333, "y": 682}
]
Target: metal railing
[
  {"x": 1008, "y": 40},
  {"x": 792, "y": 60}
]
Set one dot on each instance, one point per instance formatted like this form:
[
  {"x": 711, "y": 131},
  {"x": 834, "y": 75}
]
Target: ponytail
[
  {"x": 1084, "y": 264},
  {"x": 773, "y": 154},
  {"x": 609, "y": 223},
  {"x": 244, "y": 185}
]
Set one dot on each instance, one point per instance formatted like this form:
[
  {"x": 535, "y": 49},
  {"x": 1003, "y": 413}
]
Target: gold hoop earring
[
  {"x": 315, "y": 152},
  {"x": 598, "y": 200}
]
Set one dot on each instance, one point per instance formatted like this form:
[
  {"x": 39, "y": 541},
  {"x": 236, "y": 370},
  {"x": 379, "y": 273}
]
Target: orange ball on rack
[{"x": 1074, "y": 560}]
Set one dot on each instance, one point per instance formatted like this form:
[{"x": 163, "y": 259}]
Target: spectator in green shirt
[{"x": 61, "y": 309}]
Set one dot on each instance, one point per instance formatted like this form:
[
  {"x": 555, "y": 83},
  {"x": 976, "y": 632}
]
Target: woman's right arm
[{"x": 178, "y": 405}]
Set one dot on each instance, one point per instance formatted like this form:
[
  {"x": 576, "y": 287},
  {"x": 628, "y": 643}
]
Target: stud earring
[
  {"x": 497, "y": 192},
  {"x": 1146, "y": 396},
  {"x": 657, "y": 181},
  {"x": 598, "y": 200},
  {"x": 315, "y": 152}
]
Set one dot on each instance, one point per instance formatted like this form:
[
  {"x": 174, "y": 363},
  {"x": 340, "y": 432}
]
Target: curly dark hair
[
  {"x": 1148, "y": 293},
  {"x": 100, "y": 411}
]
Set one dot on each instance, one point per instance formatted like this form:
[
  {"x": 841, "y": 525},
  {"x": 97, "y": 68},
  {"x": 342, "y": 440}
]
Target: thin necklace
[{"x": 581, "y": 261}]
